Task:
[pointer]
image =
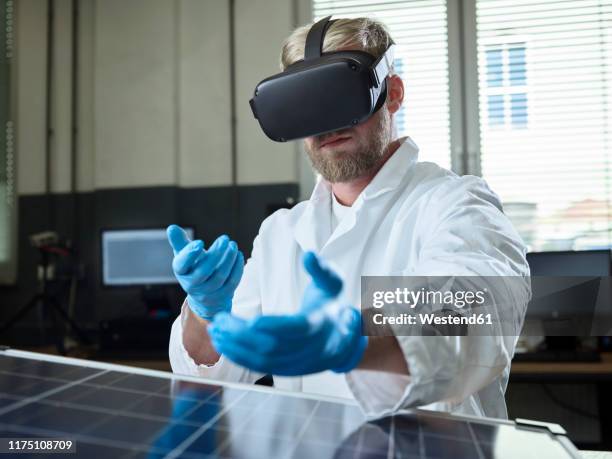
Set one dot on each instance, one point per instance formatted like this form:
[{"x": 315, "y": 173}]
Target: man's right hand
[{"x": 209, "y": 277}]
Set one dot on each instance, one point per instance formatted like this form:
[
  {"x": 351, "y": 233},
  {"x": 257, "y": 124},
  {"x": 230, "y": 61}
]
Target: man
[{"x": 375, "y": 211}]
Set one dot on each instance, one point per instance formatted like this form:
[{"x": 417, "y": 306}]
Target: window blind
[
  {"x": 419, "y": 30},
  {"x": 7, "y": 147},
  {"x": 545, "y": 94}
]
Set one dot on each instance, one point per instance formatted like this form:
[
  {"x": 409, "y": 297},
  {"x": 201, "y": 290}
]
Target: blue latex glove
[
  {"x": 321, "y": 336},
  {"x": 209, "y": 277}
]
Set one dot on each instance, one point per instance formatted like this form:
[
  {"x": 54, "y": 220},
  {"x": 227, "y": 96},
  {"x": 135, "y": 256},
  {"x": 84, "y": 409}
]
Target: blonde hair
[{"x": 366, "y": 34}]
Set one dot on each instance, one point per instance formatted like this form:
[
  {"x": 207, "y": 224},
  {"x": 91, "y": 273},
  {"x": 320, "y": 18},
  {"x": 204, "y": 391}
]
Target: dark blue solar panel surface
[{"x": 125, "y": 415}]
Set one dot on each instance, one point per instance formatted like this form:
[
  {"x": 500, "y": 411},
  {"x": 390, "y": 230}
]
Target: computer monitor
[
  {"x": 568, "y": 289},
  {"x": 137, "y": 257},
  {"x": 570, "y": 263}
]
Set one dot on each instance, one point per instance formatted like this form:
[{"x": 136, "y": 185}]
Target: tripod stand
[{"x": 47, "y": 301}]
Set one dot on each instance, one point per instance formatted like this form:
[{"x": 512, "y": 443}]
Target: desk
[
  {"x": 599, "y": 373},
  {"x": 567, "y": 371}
]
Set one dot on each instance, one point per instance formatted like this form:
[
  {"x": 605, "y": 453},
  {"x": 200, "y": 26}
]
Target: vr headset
[{"x": 322, "y": 93}]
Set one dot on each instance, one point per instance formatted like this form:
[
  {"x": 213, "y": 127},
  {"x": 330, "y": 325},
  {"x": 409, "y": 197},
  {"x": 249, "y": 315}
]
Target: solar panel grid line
[
  {"x": 317, "y": 434},
  {"x": 90, "y": 426},
  {"x": 327, "y": 439},
  {"x": 304, "y": 428},
  {"x": 476, "y": 442},
  {"x": 30, "y": 378},
  {"x": 25, "y": 365},
  {"x": 123, "y": 389},
  {"x": 26, "y": 383},
  {"x": 202, "y": 420},
  {"x": 114, "y": 375},
  {"x": 364, "y": 448},
  {"x": 9, "y": 396},
  {"x": 42, "y": 395},
  {"x": 199, "y": 404},
  {"x": 360, "y": 441},
  {"x": 391, "y": 444},
  {"x": 178, "y": 450},
  {"x": 171, "y": 376},
  {"x": 93, "y": 364},
  {"x": 226, "y": 443},
  {"x": 112, "y": 411},
  {"x": 89, "y": 385},
  {"x": 94, "y": 425},
  {"x": 144, "y": 446},
  {"x": 164, "y": 419},
  {"x": 84, "y": 438},
  {"x": 421, "y": 436},
  {"x": 114, "y": 385}
]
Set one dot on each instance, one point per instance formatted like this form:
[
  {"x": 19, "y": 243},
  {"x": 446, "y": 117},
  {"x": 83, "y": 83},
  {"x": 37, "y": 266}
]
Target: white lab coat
[{"x": 414, "y": 218}]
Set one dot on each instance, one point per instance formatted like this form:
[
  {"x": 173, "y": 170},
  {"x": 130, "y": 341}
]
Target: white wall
[
  {"x": 30, "y": 58},
  {"x": 204, "y": 116},
  {"x": 61, "y": 97},
  {"x": 154, "y": 93},
  {"x": 261, "y": 26},
  {"x": 134, "y": 106},
  {"x": 86, "y": 85}
]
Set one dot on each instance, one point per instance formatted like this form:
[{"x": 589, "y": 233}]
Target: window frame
[
  {"x": 463, "y": 103},
  {"x": 466, "y": 119}
]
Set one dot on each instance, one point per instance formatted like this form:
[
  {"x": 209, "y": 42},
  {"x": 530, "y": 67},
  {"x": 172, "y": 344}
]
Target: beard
[{"x": 346, "y": 164}]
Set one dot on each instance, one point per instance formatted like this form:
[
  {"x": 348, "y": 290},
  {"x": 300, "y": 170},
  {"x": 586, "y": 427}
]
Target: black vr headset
[{"x": 324, "y": 92}]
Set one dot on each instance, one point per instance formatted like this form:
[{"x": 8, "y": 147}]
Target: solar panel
[{"x": 121, "y": 412}]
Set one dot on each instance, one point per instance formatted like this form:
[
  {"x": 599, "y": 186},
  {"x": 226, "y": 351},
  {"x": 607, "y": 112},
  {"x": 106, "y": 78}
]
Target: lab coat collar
[
  {"x": 393, "y": 171},
  {"x": 313, "y": 228}
]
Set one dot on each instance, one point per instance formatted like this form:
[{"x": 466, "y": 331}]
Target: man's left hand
[{"x": 321, "y": 336}]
